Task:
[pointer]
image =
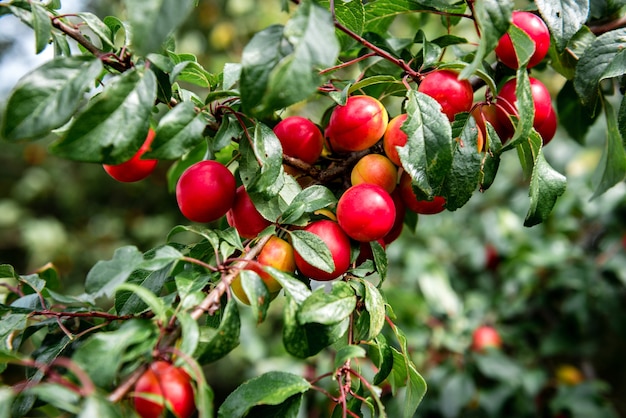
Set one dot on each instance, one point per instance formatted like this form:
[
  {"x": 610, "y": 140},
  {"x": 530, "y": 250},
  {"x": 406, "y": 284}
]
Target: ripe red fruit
[
  {"x": 452, "y": 94},
  {"x": 357, "y": 125},
  {"x": 337, "y": 242},
  {"x": 300, "y": 138},
  {"x": 536, "y": 29},
  {"x": 205, "y": 191},
  {"x": 424, "y": 207},
  {"x": 375, "y": 169},
  {"x": 548, "y": 128},
  {"x": 366, "y": 212},
  {"x": 394, "y": 137},
  {"x": 134, "y": 169},
  {"x": 544, "y": 111},
  {"x": 244, "y": 216},
  {"x": 172, "y": 384},
  {"x": 485, "y": 337}
]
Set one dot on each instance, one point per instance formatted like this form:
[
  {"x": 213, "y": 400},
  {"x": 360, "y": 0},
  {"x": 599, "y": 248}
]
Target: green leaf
[
  {"x": 7, "y": 396},
  {"x": 303, "y": 341},
  {"x": 156, "y": 304},
  {"x": 466, "y": 164},
  {"x": 110, "y": 349},
  {"x": 328, "y": 308},
  {"x": 271, "y": 388},
  {"x": 525, "y": 108},
  {"x": 380, "y": 259},
  {"x": 380, "y": 13},
  {"x": 190, "y": 332},
  {"x": 178, "y": 132},
  {"x": 375, "y": 306},
  {"x": 456, "y": 392},
  {"x": 493, "y": 18},
  {"x": 404, "y": 374},
  {"x": 312, "y": 249},
  {"x": 41, "y": 25},
  {"x": 114, "y": 124},
  {"x": 612, "y": 166},
  {"x": 573, "y": 116},
  {"x": 594, "y": 63},
  {"x": 546, "y": 185},
  {"x": 494, "y": 364},
  {"x": 348, "y": 352},
  {"x": 308, "y": 200},
  {"x": 280, "y": 64},
  {"x": 47, "y": 97},
  {"x": 128, "y": 302},
  {"x": 105, "y": 276},
  {"x": 382, "y": 355},
  {"x": 268, "y": 153},
  {"x": 154, "y": 20},
  {"x": 293, "y": 287},
  {"x": 350, "y": 14},
  {"x": 57, "y": 395},
  {"x": 427, "y": 156},
  {"x": 564, "y": 18},
  {"x": 97, "y": 406},
  {"x": 98, "y": 27},
  {"x": 257, "y": 293},
  {"x": 216, "y": 343}
]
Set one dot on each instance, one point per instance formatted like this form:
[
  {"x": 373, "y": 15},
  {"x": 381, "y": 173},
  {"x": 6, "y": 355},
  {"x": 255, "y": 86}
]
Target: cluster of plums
[{"x": 371, "y": 208}]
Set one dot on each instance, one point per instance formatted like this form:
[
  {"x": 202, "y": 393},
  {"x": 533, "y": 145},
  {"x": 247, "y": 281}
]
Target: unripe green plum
[
  {"x": 395, "y": 137},
  {"x": 337, "y": 242},
  {"x": 171, "y": 384},
  {"x": 366, "y": 212},
  {"x": 424, "y": 207},
  {"x": 375, "y": 169},
  {"x": 300, "y": 138},
  {"x": 454, "y": 95},
  {"x": 357, "y": 125},
  {"x": 244, "y": 216},
  {"x": 538, "y": 32},
  {"x": 205, "y": 191},
  {"x": 136, "y": 168}
]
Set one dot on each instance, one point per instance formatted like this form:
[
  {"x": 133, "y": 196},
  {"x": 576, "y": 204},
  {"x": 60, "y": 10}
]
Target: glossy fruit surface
[
  {"x": 173, "y": 387},
  {"x": 300, "y": 138},
  {"x": 366, "y": 212},
  {"x": 452, "y": 94},
  {"x": 244, "y": 216},
  {"x": 136, "y": 168},
  {"x": 375, "y": 169},
  {"x": 358, "y": 125},
  {"x": 276, "y": 253},
  {"x": 536, "y": 29},
  {"x": 424, "y": 207},
  {"x": 544, "y": 121},
  {"x": 485, "y": 337},
  {"x": 548, "y": 128},
  {"x": 394, "y": 137},
  {"x": 337, "y": 242},
  {"x": 205, "y": 191}
]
